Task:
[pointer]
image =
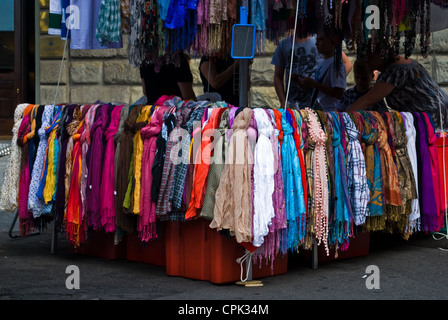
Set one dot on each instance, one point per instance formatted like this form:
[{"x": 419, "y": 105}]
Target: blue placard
[{"x": 6, "y": 15}]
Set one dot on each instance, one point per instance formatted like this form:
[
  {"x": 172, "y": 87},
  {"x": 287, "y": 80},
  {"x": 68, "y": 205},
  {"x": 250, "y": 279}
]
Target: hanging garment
[
  {"x": 147, "y": 220},
  {"x": 88, "y": 28},
  {"x": 85, "y": 141},
  {"x": 427, "y": 198},
  {"x": 264, "y": 183},
  {"x": 47, "y": 186},
  {"x": 10, "y": 187},
  {"x": 124, "y": 221},
  {"x": 75, "y": 222},
  {"x": 357, "y": 187},
  {"x": 34, "y": 204},
  {"x": 132, "y": 199},
  {"x": 293, "y": 188},
  {"x": 340, "y": 228},
  {"x": 216, "y": 166},
  {"x": 414, "y": 216},
  {"x": 108, "y": 27},
  {"x": 164, "y": 204},
  {"x": 298, "y": 142},
  {"x": 391, "y": 188},
  {"x": 375, "y": 219},
  {"x": 320, "y": 179},
  {"x": 107, "y": 200},
  {"x": 26, "y": 219},
  {"x": 202, "y": 163},
  {"x": 62, "y": 136},
  {"x": 95, "y": 165},
  {"x": 435, "y": 169},
  {"x": 181, "y": 168},
  {"x": 233, "y": 205},
  {"x": 157, "y": 167}
]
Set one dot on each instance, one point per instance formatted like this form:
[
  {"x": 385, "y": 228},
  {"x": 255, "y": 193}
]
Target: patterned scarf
[
  {"x": 341, "y": 226},
  {"x": 357, "y": 187},
  {"x": 375, "y": 219},
  {"x": 320, "y": 179},
  {"x": 108, "y": 27},
  {"x": 391, "y": 187},
  {"x": 406, "y": 177}
]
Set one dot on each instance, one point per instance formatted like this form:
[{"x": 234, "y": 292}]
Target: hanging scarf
[
  {"x": 26, "y": 219},
  {"x": 107, "y": 200},
  {"x": 75, "y": 224},
  {"x": 263, "y": 178},
  {"x": 164, "y": 204},
  {"x": 356, "y": 173},
  {"x": 375, "y": 219},
  {"x": 278, "y": 227},
  {"x": 216, "y": 167},
  {"x": 63, "y": 137},
  {"x": 320, "y": 179},
  {"x": 132, "y": 199},
  {"x": 233, "y": 205},
  {"x": 125, "y": 222},
  {"x": 202, "y": 163},
  {"x": 428, "y": 204},
  {"x": 411, "y": 135},
  {"x": 147, "y": 220},
  {"x": 34, "y": 204},
  {"x": 435, "y": 169},
  {"x": 298, "y": 142},
  {"x": 48, "y": 190},
  {"x": 10, "y": 187},
  {"x": 406, "y": 177},
  {"x": 391, "y": 188},
  {"x": 181, "y": 169},
  {"x": 295, "y": 204},
  {"x": 340, "y": 229},
  {"x": 108, "y": 27},
  {"x": 95, "y": 164}
]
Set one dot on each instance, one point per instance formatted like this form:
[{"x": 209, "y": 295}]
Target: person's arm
[
  {"x": 186, "y": 88},
  {"x": 334, "y": 92},
  {"x": 375, "y": 94},
  {"x": 217, "y": 80},
  {"x": 279, "y": 74},
  {"x": 143, "y": 87},
  {"x": 347, "y": 63}
]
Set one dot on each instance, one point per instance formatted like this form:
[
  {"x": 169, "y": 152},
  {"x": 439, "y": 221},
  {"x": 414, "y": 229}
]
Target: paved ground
[{"x": 409, "y": 270}]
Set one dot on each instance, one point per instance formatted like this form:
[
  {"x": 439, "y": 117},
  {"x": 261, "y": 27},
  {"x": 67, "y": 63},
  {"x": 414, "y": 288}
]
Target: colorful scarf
[
  {"x": 320, "y": 179},
  {"x": 107, "y": 200}
]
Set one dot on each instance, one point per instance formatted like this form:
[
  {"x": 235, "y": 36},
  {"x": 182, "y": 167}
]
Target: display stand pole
[{"x": 243, "y": 68}]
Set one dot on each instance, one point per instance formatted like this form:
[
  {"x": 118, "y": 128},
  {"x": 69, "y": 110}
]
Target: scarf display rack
[{"x": 272, "y": 180}]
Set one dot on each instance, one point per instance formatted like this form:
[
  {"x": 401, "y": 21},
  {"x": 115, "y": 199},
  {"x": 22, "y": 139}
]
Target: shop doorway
[{"x": 17, "y": 60}]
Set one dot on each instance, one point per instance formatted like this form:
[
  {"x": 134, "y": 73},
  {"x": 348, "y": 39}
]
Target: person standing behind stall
[
  {"x": 364, "y": 79},
  {"x": 220, "y": 75},
  {"x": 329, "y": 82},
  {"x": 304, "y": 64},
  {"x": 406, "y": 85},
  {"x": 167, "y": 79}
]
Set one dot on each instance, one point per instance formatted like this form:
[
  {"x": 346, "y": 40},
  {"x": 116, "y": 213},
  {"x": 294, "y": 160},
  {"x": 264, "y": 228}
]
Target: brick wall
[{"x": 91, "y": 75}]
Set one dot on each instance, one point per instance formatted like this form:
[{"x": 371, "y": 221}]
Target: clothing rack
[{"x": 309, "y": 146}]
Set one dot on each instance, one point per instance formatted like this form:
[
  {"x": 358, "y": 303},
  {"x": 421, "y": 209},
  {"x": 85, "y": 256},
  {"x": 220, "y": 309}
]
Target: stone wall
[{"x": 91, "y": 75}]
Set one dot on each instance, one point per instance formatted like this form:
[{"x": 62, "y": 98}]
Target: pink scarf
[
  {"x": 146, "y": 223},
  {"x": 107, "y": 200}
]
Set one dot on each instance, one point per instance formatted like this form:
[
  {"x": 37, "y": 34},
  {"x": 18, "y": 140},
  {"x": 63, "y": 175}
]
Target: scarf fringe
[
  {"x": 148, "y": 232},
  {"x": 108, "y": 219},
  {"x": 73, "y": 233}
]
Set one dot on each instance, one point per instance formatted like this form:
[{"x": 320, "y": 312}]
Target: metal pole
[{"x": 244, "y": 68}]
